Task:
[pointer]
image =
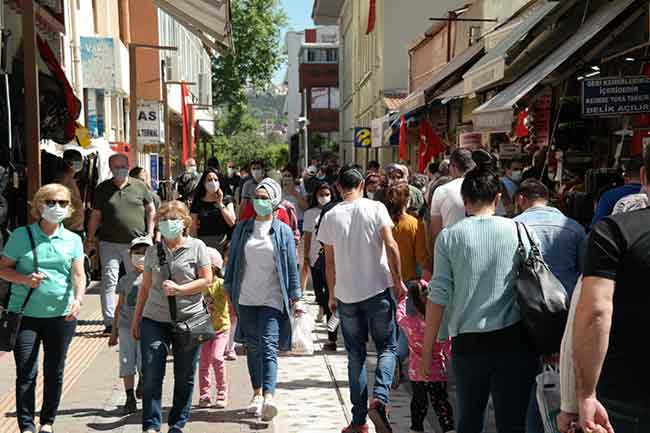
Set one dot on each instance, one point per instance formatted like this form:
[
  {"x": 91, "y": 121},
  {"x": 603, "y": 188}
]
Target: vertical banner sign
[
  {"x": 150, "y": 125},
  {"x": 362, "y": 137},
  {"x": 187, "y": 122},
  {"x": 153, "y": 170}
]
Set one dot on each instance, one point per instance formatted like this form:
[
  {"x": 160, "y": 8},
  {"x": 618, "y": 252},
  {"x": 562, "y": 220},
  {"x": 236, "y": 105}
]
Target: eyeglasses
[{"x": 62, "y": 203}]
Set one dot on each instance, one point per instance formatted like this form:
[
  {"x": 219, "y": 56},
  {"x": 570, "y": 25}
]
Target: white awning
[
  {"x": 455, "y": 92},
  {"x": 209, "y": 20},
  {"x": 491, "y": 67},
  {"x": 496, "y": 114},
  {"x": 417, "y": 99}
]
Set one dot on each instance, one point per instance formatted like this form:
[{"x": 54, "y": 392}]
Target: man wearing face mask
[
  {"x": 187, "y": 182},
  {"x": 510, "y": 182},
  {"x": 123, "y": 210},
  {"x": 73, "y": 165},
  {"x": 258, "y": 173}
]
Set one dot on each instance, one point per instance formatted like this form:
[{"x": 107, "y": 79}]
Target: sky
[{"x": 299, "y": 14}]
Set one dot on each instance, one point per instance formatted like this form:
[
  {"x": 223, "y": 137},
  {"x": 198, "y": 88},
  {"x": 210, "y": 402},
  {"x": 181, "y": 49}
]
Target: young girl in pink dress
[{"x": 434, "y": 387}]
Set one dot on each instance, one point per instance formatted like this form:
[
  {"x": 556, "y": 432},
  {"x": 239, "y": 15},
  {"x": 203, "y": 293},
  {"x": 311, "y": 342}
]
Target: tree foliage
[{"x": 256, "y": 27}]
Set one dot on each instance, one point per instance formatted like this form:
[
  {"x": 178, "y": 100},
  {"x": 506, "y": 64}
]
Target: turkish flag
[
  {"x": 372, "y": 16},
  {"x": 188, "y": 123},
  {"x": 403, "y": 151},
  {"x": 430, "y": 145}
]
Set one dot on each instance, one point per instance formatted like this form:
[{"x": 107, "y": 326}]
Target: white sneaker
[
  {"x": 269, "y": 410},
  {"x": 255, "y": 406}
]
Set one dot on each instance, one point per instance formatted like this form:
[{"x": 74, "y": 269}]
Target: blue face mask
[
  {"x": 263, "y": 207},
  {"x": 171, "y": 229}
]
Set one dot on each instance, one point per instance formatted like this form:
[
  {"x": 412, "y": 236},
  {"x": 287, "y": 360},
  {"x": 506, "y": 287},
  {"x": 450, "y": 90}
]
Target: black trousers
[
  {"x": 56, "y": 335},
  {"x": 322, "y": 293},
  {"x": 436, "y": 392}
]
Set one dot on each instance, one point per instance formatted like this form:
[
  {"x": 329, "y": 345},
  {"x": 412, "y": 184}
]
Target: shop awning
[
  {"x": 417, "y": 99},
  {"x": 209, "y": 20},
  {"x": 455, "y": 92},
  {"x": 491, "y": 67},
  {"x": 496, "y": 114}
]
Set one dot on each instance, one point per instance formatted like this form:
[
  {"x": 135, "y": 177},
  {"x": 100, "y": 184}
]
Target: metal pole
[
  {"x": 133, "y": 104},
  {"x": 306, "y": 131},
  {"x": 32, "y": 109},
  {"x": 168, "y": 159}
]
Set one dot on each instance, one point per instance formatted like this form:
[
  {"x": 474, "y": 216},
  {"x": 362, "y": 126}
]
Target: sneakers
[
  {"x": 355, "y": 428},
  {"x": 222, "y": 400},
  {"x": 378, "y": 414},
  {"x": 255, "y": 406},
  {"x": 269, "y": 410},
  {"x": 231, "y": 356},
  {"x": 205, "y": 402},
  {"x": 131, "y": 406}
]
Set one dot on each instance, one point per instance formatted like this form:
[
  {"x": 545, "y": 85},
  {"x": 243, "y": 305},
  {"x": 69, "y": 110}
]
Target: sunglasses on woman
[{"x": 61, "y": 203}]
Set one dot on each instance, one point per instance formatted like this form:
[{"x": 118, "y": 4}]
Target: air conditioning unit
[
  {"x": 205, "y": 89},
  {"x": 172, "y": 70}
]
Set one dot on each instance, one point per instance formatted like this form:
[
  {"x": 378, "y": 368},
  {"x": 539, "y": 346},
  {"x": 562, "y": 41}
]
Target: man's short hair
[
  {"x": 115, "y": 156},
  {"x": 259, "y": 162},
  {"x": 72, "y": 155},
  {"x": 533, "y": 190},
  {"x": 462, "y": 160},
  {"x": 350, "y": 177},
  {"x": 633, "y": 167}
]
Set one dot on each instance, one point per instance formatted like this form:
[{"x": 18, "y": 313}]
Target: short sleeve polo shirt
[
  {"x": 55, "y": 257},
  {"x": 123, "y": 210}
]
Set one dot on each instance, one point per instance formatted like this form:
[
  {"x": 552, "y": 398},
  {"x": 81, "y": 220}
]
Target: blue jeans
[
  {"x": 155, "y": 341},
  {"x": 507, "y": 376},
  {"x": 261, "y": 329},
  {"x": 112, "y": 255},
  {"x": 376, "y": 315},
  {"x": 56, "y": 334}
]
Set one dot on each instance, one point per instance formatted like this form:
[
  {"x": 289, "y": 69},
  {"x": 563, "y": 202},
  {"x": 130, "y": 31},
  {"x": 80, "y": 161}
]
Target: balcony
[{"x": 326, "y": 12}]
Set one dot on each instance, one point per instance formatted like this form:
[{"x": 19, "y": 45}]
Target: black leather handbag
[
  {"x": 190, "y": 333},
  {"x": 542, "y": 298},
  {"x": 10, "y": 322}
]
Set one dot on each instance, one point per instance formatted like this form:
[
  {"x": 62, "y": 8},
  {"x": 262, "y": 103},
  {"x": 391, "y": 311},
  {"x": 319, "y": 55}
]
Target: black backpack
[{"x": 320, "y": 262}]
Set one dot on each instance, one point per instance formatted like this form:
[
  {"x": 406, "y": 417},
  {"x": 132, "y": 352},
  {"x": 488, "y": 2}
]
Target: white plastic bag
[
  {"x": 548, "y": 397},
  {"x": 302, "y": 342}
]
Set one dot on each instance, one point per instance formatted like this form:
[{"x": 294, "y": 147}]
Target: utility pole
[{"x": 32, "y": 109}]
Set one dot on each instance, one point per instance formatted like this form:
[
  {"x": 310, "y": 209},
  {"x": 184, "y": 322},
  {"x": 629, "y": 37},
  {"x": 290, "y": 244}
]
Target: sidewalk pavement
[{"x": 312, "y": 391}]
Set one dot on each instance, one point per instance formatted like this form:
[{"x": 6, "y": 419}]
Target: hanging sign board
[
  {"x": 153, "y": 170},
  {"x": 616, "y": 96},
  {"x": 470, "y": 140},
  {"x": 150, "y": 124},
  {"x": 362, "y": 137}
]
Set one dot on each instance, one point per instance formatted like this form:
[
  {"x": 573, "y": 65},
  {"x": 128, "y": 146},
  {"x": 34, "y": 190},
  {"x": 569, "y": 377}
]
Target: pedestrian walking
[
  {"x": 213, "y": 212},
  {"x": 263, "y": 283},
  {"x": 258, "y": 172},
  {"x": 294, "y": 193},
  {"x": 73, "y": 164},
  {"x": 314, "y": 260},
  {"x": 632, "y": 178},
  {"x": 612, "y": 377},
  {"x": 129, "y": 349},
  {"x": 474, "y": 284},
  {"x": 123, "y": 210},
  {"x": 432, "y": 388},
  {"x": 142, "y": 174},
  {"x": 213, "y": 352},
  {"x": 187, "y": 182},
  {"x": 186, "y": 276},
  {"x": 44, "y": 264},
  {"x": 362, "y": 265}
]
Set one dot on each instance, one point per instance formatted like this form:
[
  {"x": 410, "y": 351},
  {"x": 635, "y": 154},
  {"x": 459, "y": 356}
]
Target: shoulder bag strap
[
  {"x": 163, "y": 262},
  {"x": 533, "y": 245},
  {"x": 31, "y": 289},
  {"x": 520, "y": 246}
]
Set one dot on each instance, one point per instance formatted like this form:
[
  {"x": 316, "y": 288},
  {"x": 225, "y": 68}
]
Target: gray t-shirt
[
  {"x": 128, "y": 288},
  {"x": 185, "y": 263}
]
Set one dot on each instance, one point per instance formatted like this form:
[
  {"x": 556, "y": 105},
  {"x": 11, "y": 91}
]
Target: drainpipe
[{"x": 75, "y": 45}]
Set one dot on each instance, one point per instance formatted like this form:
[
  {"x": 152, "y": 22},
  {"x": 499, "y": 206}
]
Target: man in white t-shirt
[
  {"x": 447, "y": 206},
  {"x": 363, "y": 274}
]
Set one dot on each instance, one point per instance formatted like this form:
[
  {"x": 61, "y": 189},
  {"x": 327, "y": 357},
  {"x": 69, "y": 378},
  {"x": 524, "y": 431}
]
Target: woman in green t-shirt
[{"x": 56, "y": 276}]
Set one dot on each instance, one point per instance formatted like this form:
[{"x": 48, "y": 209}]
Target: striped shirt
[{"x": 475, "y": 274}]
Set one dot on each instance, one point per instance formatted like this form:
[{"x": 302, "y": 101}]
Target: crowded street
[{"x": 310, "y": 216}]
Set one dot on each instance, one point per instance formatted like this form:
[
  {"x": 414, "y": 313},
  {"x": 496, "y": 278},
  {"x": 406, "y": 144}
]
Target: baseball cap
[
  {"x": 142, "y": 240},
  {"x": 215, "y": 258}
]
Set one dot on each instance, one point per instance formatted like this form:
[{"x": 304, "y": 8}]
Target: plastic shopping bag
[
  {"x": 548, "y": 397},
  {"x": 302, "y": 342}
]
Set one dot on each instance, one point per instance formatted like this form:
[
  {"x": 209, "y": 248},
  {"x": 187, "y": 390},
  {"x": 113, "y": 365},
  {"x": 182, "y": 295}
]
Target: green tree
[{"x": 256, "y": 27}]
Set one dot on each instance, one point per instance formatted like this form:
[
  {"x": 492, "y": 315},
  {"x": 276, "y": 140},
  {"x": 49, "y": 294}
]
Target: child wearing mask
[
  {"x": 434, "y": 387},
  {"x": 213, "y": 352},
  {"x": 127, "y": 290}
]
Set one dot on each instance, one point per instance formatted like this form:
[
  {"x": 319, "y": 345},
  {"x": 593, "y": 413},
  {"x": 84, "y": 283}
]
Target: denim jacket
[
  {"x": 287, "y": 267},
  {"x": 562, "y": 242}
]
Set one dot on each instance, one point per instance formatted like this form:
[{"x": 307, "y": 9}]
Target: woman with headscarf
[{"x": 263, "y": 283}]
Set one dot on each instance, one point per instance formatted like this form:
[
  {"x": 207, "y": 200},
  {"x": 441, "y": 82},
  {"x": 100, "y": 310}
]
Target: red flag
[
  {"x": 430, "y": 145},
  {"x": 403, "y": 151},
  {"x": 372, "y": 16},
  {"x": 187, "y": 122}
]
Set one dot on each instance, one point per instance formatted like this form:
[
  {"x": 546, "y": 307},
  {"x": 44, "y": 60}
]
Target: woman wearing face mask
[
  {"x": 191, "y": 272},
  {"x": 372, "y": 185},
  {"x": 263, "y": 283},
  {"x": 294, "y": 194},
  {"x": 213, "y": 212},
  {"x": 322, "y": 196},
  {"x": 53, "y": 273}
]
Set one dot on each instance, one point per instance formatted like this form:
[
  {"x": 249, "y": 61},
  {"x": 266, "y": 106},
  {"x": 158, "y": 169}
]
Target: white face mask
[
  {"x": 55, "y": 214},
  {"x": 516, "y": 176},
  {"x": 212, "y": 186},
  {"x": 371, "y": 195},
  {"x": 231, "y": 171},
  {"x": 257, "y": 174},
  {"x": 324, "y": 200},
  {"x": 137, "y": 260},
  {"x": 77, "y": 166}
]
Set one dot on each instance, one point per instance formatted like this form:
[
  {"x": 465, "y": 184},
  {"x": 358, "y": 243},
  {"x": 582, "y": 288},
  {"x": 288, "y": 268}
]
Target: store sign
[
  {"x": 150, "y": 124},
  {"x": 362, "y": 137},
  {"x": 616, "y": 96},
  {"x": 493, "y": 121},
  {"x": 509, "y": 150},
  {"x": 102, "y": 64},
  {"x": 470, "y": 140},
  {"x": 153, "y": 170},
  {"x": 327, "y": 35}
]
